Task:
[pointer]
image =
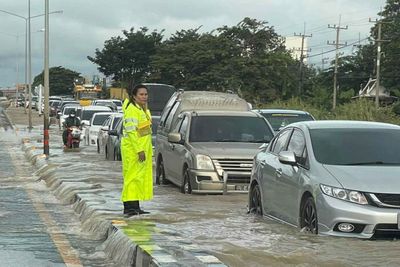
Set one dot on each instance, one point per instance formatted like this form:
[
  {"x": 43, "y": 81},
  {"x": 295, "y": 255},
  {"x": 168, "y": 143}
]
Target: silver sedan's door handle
[
  {"x": 278, "y": 172},
  {"x": 263, "y": 162}
]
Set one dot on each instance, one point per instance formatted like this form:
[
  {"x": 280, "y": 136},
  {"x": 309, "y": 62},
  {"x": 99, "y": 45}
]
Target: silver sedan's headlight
[
  {"x": 344, "y": 194},
  {"x": 204, "y": 162}
]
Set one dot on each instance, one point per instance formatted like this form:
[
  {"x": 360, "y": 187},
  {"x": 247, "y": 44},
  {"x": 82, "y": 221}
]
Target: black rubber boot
[
  {"x": 142, "y": 211},
  {"x": 131, "y": 208}
]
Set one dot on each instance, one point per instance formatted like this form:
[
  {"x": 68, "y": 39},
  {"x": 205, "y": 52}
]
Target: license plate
[{"x": 242, "y": 187}]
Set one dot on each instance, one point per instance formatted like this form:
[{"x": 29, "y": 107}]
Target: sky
[{"x": 84, "y": 25}]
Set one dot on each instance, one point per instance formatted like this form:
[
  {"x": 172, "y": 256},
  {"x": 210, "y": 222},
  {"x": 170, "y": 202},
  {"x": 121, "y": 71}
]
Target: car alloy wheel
[
  {"x": 160, "y": 172},
  {"x": 186, "y": 187},
  {"x": 309, "y": 219},
  {"x": 255, "y": 200}
]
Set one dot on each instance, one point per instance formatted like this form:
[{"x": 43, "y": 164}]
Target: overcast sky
[{"x": 84, "y": 25}]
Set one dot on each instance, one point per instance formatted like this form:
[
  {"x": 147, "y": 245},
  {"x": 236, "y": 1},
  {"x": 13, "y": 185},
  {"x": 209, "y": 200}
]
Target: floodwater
[{"x": 220, "y": 224}]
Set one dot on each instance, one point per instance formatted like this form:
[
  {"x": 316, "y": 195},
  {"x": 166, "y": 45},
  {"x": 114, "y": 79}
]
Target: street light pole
[
  {"x": 28, "y": 44},
  {"x": 29, "y": 68},
  {"x": 46, "y": 81}
]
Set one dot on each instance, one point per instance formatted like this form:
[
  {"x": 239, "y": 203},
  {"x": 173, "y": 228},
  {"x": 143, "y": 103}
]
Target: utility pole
[
  {"x": 302, "y": 56},
  {"x": 337, "y": 45},
  {"x": 46, "y": 148},
  {"x": 324, "y": 60},
  {"x": 378, "y": 42},
  {"x": 29, "y": 69}
]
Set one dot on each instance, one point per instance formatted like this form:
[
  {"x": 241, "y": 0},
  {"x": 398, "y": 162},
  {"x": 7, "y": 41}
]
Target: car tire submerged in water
[
  {"x": 186, "y": 187},
  {"x": 160, "y": 172},
  {"x": 308, "y": 217},
  {"x": 255, "y": 205}
]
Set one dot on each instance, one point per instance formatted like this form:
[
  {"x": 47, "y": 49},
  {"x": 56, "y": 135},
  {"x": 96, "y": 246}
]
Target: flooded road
[
  {"x": 35, "y": 228},
  {"x": 220, "y": 224},
  {"x": 217, "y": 224}
]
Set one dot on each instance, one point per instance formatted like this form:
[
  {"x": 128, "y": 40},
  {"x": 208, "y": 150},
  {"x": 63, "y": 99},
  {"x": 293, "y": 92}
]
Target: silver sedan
[{"x": 338, "y": 178}]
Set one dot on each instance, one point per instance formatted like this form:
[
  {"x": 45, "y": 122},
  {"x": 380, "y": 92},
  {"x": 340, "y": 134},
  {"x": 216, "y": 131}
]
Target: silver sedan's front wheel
[
  {"x": 309, "y": 219},
  {"x": 186, "y": 187},
  {"x": 255, "y": 205}
]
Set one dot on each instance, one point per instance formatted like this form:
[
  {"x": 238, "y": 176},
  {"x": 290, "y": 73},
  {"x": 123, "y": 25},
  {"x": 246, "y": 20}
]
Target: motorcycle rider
[{"x": 70, "y": 121}]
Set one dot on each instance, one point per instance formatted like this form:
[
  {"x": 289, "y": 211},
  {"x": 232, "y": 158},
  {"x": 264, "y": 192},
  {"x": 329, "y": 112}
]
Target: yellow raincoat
[{"x": 138, "y": 176}]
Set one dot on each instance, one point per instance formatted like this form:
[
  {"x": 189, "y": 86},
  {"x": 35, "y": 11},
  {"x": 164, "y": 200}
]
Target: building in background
[{"x": 293, "y": 44}]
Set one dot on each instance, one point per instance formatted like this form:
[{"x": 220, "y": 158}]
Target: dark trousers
[{"x": 64, "y": 136}]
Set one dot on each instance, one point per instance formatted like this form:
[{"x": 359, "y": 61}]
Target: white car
[
  {"x": 92, "y": 132},
  {"x": 102, "y": 138}
]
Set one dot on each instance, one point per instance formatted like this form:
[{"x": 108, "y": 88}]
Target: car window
[
  {"x": 99, "y": 119},
  {"x": 297, "y": 145},
  {"x": 167, "y": 110},
  {"x": 106, "y": 122},
  {"x": 183, "y": 128},
  {"x": 280, "y": 120},
  {"x": 281, "y": 141},
  {"x": 356, "y": 146},
  {"x": 171, "y": 116},
  {"x": 230, "y": 129},
  {"x": 115, "y": 122}
]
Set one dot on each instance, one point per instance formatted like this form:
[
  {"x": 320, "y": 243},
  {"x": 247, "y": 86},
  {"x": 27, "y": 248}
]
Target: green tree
[
  {"x": 61, "y": 80},
  {"x": 127, "y": 58},
  {"x": 390, "y": 66}
]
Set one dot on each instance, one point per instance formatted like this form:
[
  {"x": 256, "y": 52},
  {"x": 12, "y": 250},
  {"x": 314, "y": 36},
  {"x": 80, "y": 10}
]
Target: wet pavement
[
  {"x": 35, "y": 228},
  {"x": 196, "y": 226}
]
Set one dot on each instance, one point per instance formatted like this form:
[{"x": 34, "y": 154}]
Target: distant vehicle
[
  {"x": 108, "y": 125},
  {"x": 63, "y": 103},
  {"x": 95, "y": 125},
  {"x": 113, "y": 146},
  {"x": 159, "y": 94},
  {"x": 203, "y": 135},
  {"x": 86, "y": 90},
  {"x": 337, "y": 178},
  {"x": 64, "y": 113},
  {"x": 86, "y": 115},
  {"x": 105, "y": 102},
  {"x": 279, "y": 118}
]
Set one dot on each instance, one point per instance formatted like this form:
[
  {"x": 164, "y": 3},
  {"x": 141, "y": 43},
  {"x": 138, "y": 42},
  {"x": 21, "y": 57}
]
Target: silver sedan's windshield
[
  {"x": 230, "y": 129},
  {"x": 356, "y": 146}
]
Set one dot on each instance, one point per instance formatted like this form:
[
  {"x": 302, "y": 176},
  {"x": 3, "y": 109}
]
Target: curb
[{"x": 127, "y": 242}]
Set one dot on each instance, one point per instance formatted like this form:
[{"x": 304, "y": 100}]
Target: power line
[{"x": 343, "y": 46}]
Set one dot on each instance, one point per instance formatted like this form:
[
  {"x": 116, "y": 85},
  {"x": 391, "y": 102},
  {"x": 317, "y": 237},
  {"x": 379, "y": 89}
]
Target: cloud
[{"x": 85, "y": 25}]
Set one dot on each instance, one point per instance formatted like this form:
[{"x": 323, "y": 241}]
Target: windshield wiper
[
  {"x": 371, "y": 163},
  {"x": 258, "y": 141}
]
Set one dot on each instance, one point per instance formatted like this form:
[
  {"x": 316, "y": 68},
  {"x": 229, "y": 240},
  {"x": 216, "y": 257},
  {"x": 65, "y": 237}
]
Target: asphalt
[{"x": 129, "y": 242}]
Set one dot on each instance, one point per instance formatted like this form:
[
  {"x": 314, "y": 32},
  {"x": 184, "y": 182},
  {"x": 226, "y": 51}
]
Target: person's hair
[
  {"x": 133, "y": 89},
  {"x": 72, "y": 112}
]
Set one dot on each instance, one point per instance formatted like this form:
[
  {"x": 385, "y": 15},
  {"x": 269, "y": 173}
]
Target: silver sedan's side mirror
[{"x": 287, "y": 157}]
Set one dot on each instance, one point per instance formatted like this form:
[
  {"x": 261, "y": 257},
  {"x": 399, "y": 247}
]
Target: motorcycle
[{"x": 73, "y": 137}]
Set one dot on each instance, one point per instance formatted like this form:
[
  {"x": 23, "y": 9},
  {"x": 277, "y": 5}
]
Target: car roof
[
  {"x": 326, "y": 124},
  {"x": 224, "y": 113},
  {"x": 102, "y": 113},
  {"x": 208, "y": 100},
  {"x": 96, "y": 108},
  {"x": 282, "y": 111}
]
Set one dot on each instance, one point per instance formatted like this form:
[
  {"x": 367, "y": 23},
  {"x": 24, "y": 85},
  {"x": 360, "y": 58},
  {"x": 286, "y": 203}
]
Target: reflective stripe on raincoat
[{"x": 138, "y": 176}]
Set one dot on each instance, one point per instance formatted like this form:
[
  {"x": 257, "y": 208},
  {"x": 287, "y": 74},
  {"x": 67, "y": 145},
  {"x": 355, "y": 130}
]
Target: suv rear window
[
  {"x": 279, "y": 120},
  {"x": 229, "y": 129}
]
